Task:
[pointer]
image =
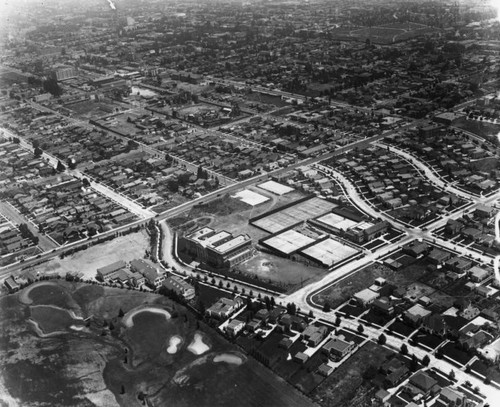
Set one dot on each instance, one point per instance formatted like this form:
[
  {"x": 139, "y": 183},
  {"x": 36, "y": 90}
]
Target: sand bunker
[
  {"x": 77, "y": 327},
  {"x": 128, "y": 318},
  {"x": 173, "y": 345},
  {"x": 228, "y": 358},
  {"x": 198, "y": 347}
]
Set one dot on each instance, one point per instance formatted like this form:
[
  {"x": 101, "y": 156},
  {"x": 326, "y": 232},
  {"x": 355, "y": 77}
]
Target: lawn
[
  {"x": 346, "y": 386},
  {"x": 352, "y": 310},
  {"x": 431, "y": 341},
  {"x": 51, "y": 319},
  {"x": 208, "y": 295},
  {"x": 455, "y": 354},
  {"x": 488, "y": 371},
  {"x": 482, "y": 129},
  {"x": 51, "y": 294},
  {"x": 401, "y": 328},
  {"x": 377, "y": 318}
]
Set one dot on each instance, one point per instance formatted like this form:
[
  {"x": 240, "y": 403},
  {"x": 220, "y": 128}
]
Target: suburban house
[
  {"x": 180, "y": 287},
  {"x": 366, "y": 297},
  {"x": 253, "y": 325},
  {"x": 422, "y": 383},
  {"x": 394, "y": 371},
  {"x": 223, "y": 308},
  {"x": 435, "y": 324},
  {"x": 314, "y": 334},
  {"x": 338, "y": 347},
  {"x": 288, "y": 322},
  {"x": 416, "y": 314},
  {"x": 234, "y": 327},
  {"x": 478, "y": 274}
]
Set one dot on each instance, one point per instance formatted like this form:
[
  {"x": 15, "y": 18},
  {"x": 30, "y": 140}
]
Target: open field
[
  {"x": 103, "y": 361},
  {"x": 268, "y": 267},
  {"x": 347, "y": 386},
  {"x": 128, "y": 247},
  {"x": 89, "y": 109},
  {"x": 481, "y": 128},
  {"x": 8, "y": 78},
  {"x": 233, "y": 215}
]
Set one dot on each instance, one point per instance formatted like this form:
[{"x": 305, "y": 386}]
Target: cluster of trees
[
  {"x": 52, "y": 86},
  {"x": 27, "y": 234}
]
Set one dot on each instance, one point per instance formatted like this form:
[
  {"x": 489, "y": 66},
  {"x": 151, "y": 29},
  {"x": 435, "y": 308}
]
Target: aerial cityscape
[{"x": 250, "y": 203}]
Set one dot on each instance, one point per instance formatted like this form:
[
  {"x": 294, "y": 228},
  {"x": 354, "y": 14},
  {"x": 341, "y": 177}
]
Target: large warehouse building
[{"x": 217, "y": 249}]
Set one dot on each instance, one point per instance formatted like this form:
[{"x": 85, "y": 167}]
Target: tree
[
  {"x": 249, "y": 304},
  {"x": 414, "y": 363},
  {"x": 338, "y": 320},
  {"x": 426, "y": 360},
  {"x": 122, "y": 391},
  {"x": 38, "y": 152},
  {"x": 404, "y": 349},
  {"x": 60, "y": 166},
  {"x": 51, "y": 86},
  {"x": 327, "y": 307},
  {"x": 86, "y": 182},
  {"x": 360, "y": 328},
  {"x": 121, "y": 313},
  {"x": 382, "y": 339},
  {"x": 451, "y": 375},
  {"x": 267, "y": 301}
]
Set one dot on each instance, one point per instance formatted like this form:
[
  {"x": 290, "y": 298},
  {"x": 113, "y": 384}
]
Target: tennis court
[
  {"x": 329, "y": 252},
  {"x": 294, "y": 215}
]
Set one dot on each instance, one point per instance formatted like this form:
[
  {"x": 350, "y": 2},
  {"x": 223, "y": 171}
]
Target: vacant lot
[
  {"x": 128, "y": 247},
  {"x": 280, "y": 271},
  {"x": 342, "y": 291},
  {"x": 346, "y": 386}
]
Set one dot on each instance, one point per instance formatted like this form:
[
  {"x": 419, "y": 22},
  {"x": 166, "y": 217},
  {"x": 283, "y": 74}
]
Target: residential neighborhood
[{"x": 255, "y": 203}]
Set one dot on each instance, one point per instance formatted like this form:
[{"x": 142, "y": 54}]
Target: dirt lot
[
  {"x": 346, "y": 386},
  {"x": 233, "y": 215},
  {"x": 128, "y": 247},
  {"x": 280, "y": 270}
]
